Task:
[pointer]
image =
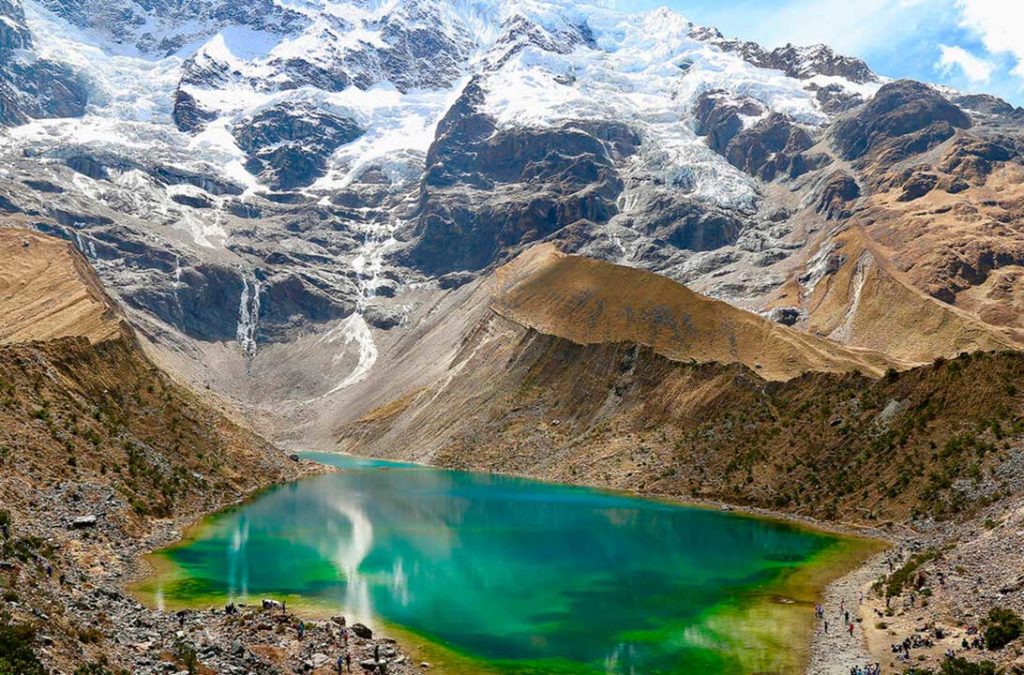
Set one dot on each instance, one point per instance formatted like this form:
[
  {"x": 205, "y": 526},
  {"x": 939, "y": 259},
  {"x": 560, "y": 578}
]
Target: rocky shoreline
[
  {"x": 68, "y": 576},
  {"x": 956, "y": 572}
]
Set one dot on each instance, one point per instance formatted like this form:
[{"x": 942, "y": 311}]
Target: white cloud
[
  {"x": 998, "y": 24},
  {"x": 976, "y": 69}
]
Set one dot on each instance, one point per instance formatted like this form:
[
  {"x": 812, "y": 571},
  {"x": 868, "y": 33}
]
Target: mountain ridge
[{"x": 311, "y": 185}]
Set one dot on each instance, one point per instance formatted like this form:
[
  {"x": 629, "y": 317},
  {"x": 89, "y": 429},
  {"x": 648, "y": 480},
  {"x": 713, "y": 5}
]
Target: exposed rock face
[
  {"x": 164, "y": 26},
  {"x": 764, "y": 145},
  {"x": 188, "y": 115},
  {"x": 719, "y": 116},
  {"x": 417, "y": 53},
  {"x": 486, "y": 189},
  {"x": 917, "y": 185},
  {"x": 799, "y": 62},
  {"x": 837, "y": 194},
  {"x": 806, "y": 62},
  {"x": 973, "y": 159},
  {"x": 904, "y": 118},
  {"x": 988, "y": 105},
  {"x": 31, "y": 87},
  {"x": 835, "y": 99},
  {"x": 770, "y": 148},
  {"x": 288, "y": 146},
  {"x": 14, "y": 34}
]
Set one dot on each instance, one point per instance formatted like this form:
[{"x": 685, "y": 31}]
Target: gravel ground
[{"x": 835, "y": 651}]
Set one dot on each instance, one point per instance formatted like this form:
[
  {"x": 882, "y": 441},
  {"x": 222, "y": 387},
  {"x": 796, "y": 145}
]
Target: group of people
[
  {"x": 819, "y": 612},
  {"x": 344, "y": 662},
  {"x": 870, "y": 669},
  {"x": 977, "y": 640},
  {"x": 902, "y": 649}
]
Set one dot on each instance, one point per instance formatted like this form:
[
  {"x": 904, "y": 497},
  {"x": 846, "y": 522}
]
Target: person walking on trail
[
  {"x": 376, "y": 653},
  {"x": 340, "y": 665},
  {"x": 826, "y": 625},
  {"x": 851, "y": 630},
  {"x": 348, "y": 662},
  {"x": 302, "y": 629},
  {"x": 846, "y": 615}
]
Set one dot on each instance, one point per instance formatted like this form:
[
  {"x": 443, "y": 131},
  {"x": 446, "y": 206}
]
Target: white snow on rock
[
  {"x": 643, "y": 69},
  {"x": 540, "y": 63}
]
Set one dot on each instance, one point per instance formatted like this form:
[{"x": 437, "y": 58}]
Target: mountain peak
[{"x": 801, "y": 62}]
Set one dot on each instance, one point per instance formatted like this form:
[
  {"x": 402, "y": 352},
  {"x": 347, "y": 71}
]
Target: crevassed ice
[{"x": 631, "y": 74}]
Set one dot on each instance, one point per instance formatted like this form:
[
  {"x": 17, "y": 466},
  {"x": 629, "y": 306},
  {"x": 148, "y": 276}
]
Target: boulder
[
  {"x": 362, "y": 631},
  {"x": 83, "y": 522}
]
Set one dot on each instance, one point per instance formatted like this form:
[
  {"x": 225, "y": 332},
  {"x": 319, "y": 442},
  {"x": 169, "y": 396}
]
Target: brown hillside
[
  {"x": 90, "y": 427},
  {"x": 47, "y": 290},
  {"x": 938, "y": 440},
  {"x": 865, "y": 302},
  {"x": 590, "y": 301},
  {"x": 590, "y": 372}
]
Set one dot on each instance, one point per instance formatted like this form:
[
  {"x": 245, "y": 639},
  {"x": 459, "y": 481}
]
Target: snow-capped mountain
[{"x": 248, "y": 173}]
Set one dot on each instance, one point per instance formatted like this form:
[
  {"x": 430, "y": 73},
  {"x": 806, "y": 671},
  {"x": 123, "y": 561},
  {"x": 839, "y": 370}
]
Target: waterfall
[
  {"x": 249, "y": 314},
  {"x": 368, "y": 265},
  {"x": 177, "y": 284}
]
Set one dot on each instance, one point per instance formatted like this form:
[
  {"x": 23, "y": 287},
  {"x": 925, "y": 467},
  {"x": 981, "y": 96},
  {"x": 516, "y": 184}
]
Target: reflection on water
[{"x": 528, "y": 575}]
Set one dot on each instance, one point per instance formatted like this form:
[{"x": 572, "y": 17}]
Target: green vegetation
[
  {"x": 960, "y": 666},
  {"x": 186, "y": 655},
  {"x": 94, "y": 668},
  {"x": 16, "y": 654},
  {"x": 898, "y": 580},
  {"x": 1002, "y": 626}
]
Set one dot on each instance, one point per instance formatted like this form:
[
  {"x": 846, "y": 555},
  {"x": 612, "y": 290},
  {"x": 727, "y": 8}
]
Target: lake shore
[
  {"x": 836, "y": 584},
  {"x": 819, "y": 653},
  {"x": 787, "y": 604}
]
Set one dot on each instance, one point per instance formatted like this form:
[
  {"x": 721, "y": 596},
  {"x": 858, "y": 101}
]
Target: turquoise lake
[{"x": 515, "y": 575}]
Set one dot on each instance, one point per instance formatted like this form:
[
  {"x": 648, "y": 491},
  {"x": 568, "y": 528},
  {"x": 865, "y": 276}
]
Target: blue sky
[{"x": 973, "y": 45}]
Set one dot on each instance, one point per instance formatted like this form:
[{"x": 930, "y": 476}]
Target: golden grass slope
[
  {"x": 48, "y": 291},
  {"x": 590, "y": 301},
  {"x": 867, "y": 303}
]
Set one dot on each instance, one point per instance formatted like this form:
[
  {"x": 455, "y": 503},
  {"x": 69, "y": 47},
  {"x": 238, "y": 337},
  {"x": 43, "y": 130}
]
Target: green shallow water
[{"x": 517, "y": 575}]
